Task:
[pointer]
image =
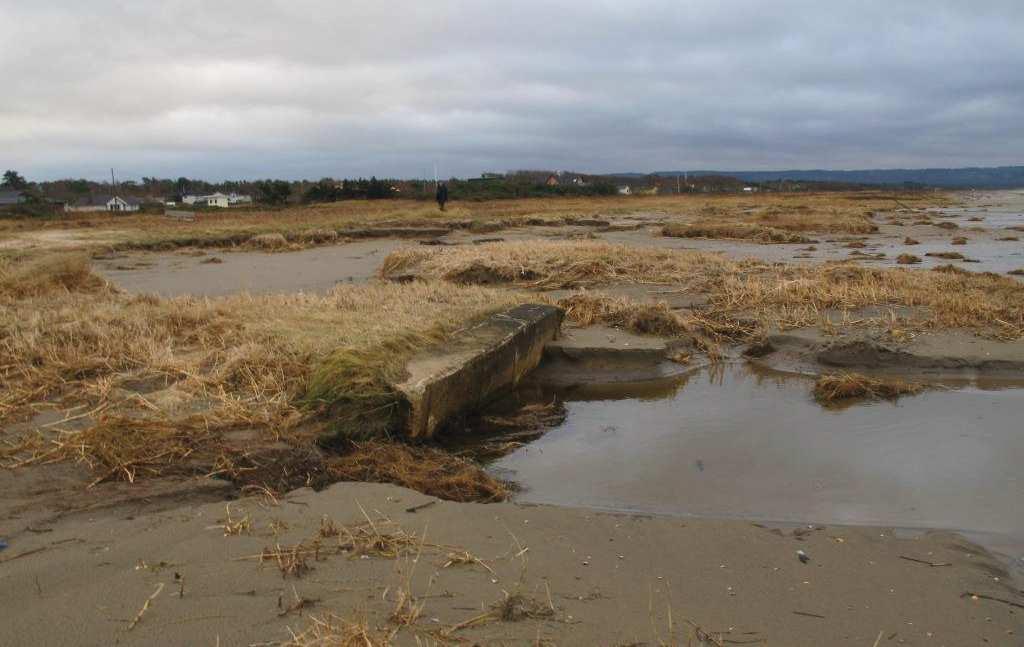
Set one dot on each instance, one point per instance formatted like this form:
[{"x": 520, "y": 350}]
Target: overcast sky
[{"x": 304, "y": 89}]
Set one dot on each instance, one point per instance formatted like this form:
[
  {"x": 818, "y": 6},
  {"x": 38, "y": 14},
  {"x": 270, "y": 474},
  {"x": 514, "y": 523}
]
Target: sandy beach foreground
[{"x": 260, "y": 569}]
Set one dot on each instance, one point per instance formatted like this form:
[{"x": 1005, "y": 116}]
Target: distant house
[
  {"x": 625, "y": 190},
  {"x": 103, "y": 203},
  {"x": 552, "y": 180},
  {"x": 11, "y": 198},
  {"x": 216, "y": 200},
  {"x": 117, "y": 203},
  {"x": 750, "y": 189}
]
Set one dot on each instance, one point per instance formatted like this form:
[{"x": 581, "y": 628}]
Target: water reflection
[{"x": 747, "y": 442}]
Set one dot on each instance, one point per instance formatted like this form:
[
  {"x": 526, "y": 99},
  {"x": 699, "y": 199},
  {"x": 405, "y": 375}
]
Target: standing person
[{"x": 442, "y": 195}]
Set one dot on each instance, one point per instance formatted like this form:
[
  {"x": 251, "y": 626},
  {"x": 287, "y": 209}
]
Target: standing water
[{"x": 740, "y": 442}]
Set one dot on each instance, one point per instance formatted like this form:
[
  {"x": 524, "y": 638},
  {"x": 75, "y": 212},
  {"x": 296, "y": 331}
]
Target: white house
[
  {"x": 216, "y": 200},
  {"x": 118, "y": 203},
  {"x": 103, "y": 203},
  {"x": 625, "y": 190}
]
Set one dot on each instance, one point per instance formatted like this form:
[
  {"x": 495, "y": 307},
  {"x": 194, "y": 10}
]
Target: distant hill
[{"x": 999, "y": 177}]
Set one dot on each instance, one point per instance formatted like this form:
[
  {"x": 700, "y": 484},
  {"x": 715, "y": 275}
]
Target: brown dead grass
[
  {"x": 330, "y": 630},
  {"x": 425, "y": 469},
  {"x": 907, "y": 259},
  {"x": 733, "y": 230},
  {"x": 271, "y": 363},
  {"x": 841, "y": 216},
  {"x": 846, "y": 386},
  {"x": 46, "y": 275},
  {"x": 771, "y": 295},
  {"x": 837, "y": 212},
  {"x": 651, "y": 318},
  {"x": 554, "y": 264}
]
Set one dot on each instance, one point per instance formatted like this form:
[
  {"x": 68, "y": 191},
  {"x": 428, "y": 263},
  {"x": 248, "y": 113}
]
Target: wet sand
[
  {"x": 611, "y": 579},
  {"x": 311, "y": 270}
]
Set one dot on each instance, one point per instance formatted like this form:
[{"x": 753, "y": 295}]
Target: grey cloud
[{"x": 305, "y": 89}]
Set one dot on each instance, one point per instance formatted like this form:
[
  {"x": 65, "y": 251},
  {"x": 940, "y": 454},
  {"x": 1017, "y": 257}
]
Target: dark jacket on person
[{"x": 442, "y": 193}]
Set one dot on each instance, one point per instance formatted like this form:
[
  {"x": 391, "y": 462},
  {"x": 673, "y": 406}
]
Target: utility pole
[{"x": 113, "y": 184}]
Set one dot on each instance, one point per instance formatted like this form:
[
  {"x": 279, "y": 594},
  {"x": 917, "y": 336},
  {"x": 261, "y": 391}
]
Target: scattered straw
[
  {"x": 425, "y": 469},
  {"x": 145, "y": 606}
]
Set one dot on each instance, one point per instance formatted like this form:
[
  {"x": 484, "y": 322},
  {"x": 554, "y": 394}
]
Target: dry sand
[{"x": 612, "y": 579}]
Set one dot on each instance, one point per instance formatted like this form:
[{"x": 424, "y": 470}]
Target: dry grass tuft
[
  {"x": 269, "y": 241},
  {"x": 831, "y": 217},
  {"x": 330, "y": 630},
  {"x": 647, "y": 318},
  {"x": 47, "y": 275},
  {"x": 514, "y": 607},
  {"x": 733, "y": 230},
  {"x": 950, "y": 256},
  {"x": 425, "y": 469},
  {"x": 958, "y": 240},
  {"x": 845, "y": 386},
  {"x": 518, "y": 607},
  {"x": 911, "y": 241},
  {"x": 907, "y": 259},
  {"x": 552, "y": 264}
]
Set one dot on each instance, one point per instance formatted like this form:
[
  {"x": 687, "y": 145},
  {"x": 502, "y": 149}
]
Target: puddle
[
  {"x": 743, "y": 442},
  {"x": 310, "y": 270}
]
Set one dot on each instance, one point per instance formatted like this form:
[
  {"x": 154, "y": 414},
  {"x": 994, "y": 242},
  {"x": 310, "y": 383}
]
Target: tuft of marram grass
[
  {"x": 846, "y": 386},
  {"x": 733, "y": 230},
  {"x": 643, "y": 318},
  {"x": 48, "y": 274},
  {"x": 330, "y": 630}
]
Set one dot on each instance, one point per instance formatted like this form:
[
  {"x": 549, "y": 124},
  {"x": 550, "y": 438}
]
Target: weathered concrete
[
  {"x": 479, "y": 363},
  {"x": 599, "y": 355}
]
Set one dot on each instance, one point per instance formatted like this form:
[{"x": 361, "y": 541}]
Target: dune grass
[
  {"x": 733, "y": 230},
  {"x": 553, "y": 264},
  {"x": 840, "y": 217},
  {"x": 274, "y": 363},
  {"x": 773, "y": 295}
]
